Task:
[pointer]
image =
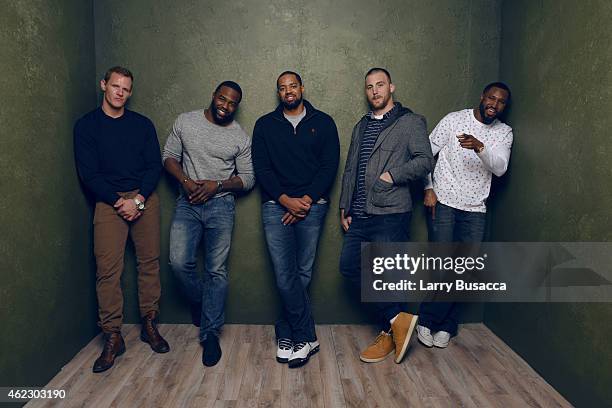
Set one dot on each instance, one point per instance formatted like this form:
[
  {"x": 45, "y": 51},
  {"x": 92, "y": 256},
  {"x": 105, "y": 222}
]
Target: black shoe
[
  {"x": 196, "y": 314},
  {"x": 212, "y": 351}
]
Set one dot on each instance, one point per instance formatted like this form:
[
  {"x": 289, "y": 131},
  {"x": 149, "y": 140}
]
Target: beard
[
  {"x": 220, "y": 120},
  {"x": 379, "y": 103},
  {"x": 292, "y": 105},
  {"x": 486, "y": 119}
]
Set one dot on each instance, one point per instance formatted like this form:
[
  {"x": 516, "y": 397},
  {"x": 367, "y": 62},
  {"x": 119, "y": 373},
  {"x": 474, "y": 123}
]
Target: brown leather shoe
[
  {"x": 113, "y": 347},
  {"x": 149, "y": 333}
]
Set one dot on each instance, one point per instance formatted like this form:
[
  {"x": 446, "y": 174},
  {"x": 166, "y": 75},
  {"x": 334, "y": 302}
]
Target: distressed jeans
[{"x": 210, "y": 223}]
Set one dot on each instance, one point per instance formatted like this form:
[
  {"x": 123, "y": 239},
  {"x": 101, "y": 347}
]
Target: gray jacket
[{"x": 402, "y": 149}]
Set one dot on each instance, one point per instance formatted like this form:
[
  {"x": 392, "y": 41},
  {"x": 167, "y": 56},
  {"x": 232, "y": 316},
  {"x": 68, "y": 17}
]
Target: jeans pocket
[
  {"x": 271, "y": 213},
  {"x": 318, "y": 211},
  {"x": 229, "y": 201},
  {"x": 181, "y": 199}
]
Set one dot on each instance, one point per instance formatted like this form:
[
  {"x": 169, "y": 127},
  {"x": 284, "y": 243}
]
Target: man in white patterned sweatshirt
[
  {"x": 209, "y": 154},
  {"x": 472, "y": 145}
]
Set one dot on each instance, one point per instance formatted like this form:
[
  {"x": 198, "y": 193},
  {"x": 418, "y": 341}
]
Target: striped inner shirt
[{"x": 368, "y": 140}]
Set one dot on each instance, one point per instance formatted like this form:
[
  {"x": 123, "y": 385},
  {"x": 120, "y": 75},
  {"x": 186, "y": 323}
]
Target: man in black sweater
[
  {"x": 295, "y": 156},
  {"x": 118, "y": 159}
]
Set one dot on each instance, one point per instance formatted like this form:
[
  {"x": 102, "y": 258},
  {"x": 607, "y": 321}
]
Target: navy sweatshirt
[
  {"x": 295, "y": 162},
  {"x": 117, "y": 154}
]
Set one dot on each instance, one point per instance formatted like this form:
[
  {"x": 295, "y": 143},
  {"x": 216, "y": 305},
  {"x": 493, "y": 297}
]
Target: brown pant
[{"x": 110, "y": 236}]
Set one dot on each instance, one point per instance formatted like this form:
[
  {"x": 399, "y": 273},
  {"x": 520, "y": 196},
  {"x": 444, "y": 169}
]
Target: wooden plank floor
[{"x": 476, "y": 370}]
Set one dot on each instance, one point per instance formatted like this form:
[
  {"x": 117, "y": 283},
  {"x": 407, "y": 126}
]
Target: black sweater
[
  {"x": 116, "y": 155},
  {"x": 295, "y": 162}
]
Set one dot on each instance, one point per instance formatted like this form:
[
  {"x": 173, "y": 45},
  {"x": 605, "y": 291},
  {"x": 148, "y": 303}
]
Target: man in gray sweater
[
  {"x": 389, "y": 149},
  {"x": 209, "y": 154}
]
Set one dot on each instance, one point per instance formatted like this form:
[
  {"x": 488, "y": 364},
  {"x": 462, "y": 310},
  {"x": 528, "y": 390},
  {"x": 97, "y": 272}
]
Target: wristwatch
[
  {"x": 139, "y": 204},
  {"x": 481, "y": 149},
  {"x": 219, "y": 186}
]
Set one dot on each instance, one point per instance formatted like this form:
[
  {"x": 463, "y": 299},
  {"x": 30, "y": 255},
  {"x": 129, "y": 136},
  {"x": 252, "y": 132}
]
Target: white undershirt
[{"x": 295, "y": 119}]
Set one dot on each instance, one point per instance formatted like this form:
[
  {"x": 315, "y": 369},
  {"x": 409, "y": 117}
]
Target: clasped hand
[
  {"x": 200, "y": 190},
  {"x": 297, "y": 208},
  {"x": 127, "y": 209}
]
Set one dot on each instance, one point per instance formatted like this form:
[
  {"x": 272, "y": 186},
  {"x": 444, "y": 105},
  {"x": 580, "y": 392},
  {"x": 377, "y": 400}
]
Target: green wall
[
  {"x": 440, "y": 53},
  {"x": 47, "y": 306},
  {"x": 556, "y": 57}
]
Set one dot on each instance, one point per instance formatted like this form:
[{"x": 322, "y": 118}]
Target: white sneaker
[
  {"x": 302, "y": 352},
  {"x": 441, "y": 339},
  {"x": 284, "y": 350},
  {"x": 424, "y": 336}
]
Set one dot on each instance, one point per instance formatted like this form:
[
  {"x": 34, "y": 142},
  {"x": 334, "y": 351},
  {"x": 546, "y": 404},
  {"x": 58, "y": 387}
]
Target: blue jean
[
  {"x": 450, "y": 225},
  {"x": 377, "y": 228},
  {"x": 212, "y": 222},
  {"x": 292, "y": 250}
]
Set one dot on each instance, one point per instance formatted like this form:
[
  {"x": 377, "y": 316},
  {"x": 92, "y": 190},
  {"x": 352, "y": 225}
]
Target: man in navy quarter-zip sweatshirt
[{"x": 295, "y": 156}]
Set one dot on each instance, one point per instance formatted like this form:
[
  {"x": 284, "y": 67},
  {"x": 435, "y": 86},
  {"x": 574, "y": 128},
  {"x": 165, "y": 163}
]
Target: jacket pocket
[{"x": 384, "y": 194}]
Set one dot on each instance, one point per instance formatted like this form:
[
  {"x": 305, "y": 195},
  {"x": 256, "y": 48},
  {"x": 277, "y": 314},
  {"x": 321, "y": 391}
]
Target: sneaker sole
[
  {"x": 413, "y": 323},
  {"x": 375, "y": 360},
  {"x": 440, "y": 345},
  {"x": 282, "y": 360},
  {"x": 298, "y": 362},
  {"x": 423, "y": 341}
]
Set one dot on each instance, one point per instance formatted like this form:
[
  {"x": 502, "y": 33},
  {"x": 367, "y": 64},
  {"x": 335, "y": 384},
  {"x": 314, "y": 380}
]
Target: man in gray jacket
[{"x": 389, "y": 149}]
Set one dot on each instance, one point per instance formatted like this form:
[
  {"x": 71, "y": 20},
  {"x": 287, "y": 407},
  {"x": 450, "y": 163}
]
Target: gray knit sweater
[{"x": 210, "y": 152}]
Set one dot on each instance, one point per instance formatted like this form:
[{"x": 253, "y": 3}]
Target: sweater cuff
[
  {"x": 276, "y": 195},
  {"x": 110, "y": 198},
  {"x": 314, "y": 195}
]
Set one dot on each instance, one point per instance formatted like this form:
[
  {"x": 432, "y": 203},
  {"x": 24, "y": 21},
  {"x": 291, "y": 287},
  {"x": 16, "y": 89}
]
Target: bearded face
[
  {"x": 492, "y": 104},
  {"x": 290, "y": 91}
]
